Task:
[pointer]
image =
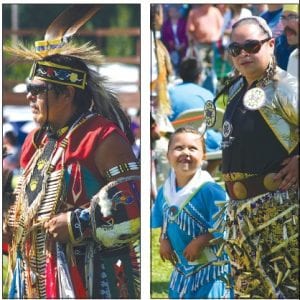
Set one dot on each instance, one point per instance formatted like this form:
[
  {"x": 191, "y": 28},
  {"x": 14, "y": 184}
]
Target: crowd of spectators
[
  {"x": 246, "y": 55},
  {"x": 203, "y": 30},
  {"x": 201, "y": 33}
]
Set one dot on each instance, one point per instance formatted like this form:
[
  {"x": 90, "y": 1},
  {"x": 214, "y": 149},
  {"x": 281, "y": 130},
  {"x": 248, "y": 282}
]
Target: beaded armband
[{"x": 114, "y": 171}]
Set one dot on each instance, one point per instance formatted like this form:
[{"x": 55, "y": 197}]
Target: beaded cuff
[
  {"x": 70, "y": 230},
  {"x": 164, "y": 236},
  {"x": 79, "y": 225},
  {"x": 114, "y": 171}
]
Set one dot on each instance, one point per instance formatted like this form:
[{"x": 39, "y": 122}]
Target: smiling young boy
[{"x": 184, "y": 209}]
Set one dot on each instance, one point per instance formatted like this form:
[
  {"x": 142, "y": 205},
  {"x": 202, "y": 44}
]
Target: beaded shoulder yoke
[{"x": 27, "y": 219}]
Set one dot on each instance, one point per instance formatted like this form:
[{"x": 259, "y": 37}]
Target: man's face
[
  {"x": 38, "y": 96},
  {"x": 290, "y": 22}
]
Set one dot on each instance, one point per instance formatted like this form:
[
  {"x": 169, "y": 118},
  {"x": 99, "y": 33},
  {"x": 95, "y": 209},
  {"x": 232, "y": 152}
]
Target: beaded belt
[{"x": 252, "y": 186}]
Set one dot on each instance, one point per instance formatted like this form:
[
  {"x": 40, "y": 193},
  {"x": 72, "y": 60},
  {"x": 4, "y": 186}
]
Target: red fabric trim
[
  {"x": 133, "y": 208},
  {"x": 51, "y": 277},
  {"x": 83, "y": 141},
  {"x": 80, "y": 151},
  {"x": 28, "y": 149},
  {"x": 78, "y": 285},
  {"x": 5, "y": 248}
]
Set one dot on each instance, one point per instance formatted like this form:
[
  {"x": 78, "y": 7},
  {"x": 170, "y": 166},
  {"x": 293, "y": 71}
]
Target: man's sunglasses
[
  {"x": 250, "y": 46},
  {"x": 290, "y": 17},
  {"x": 36, "y": 89}
]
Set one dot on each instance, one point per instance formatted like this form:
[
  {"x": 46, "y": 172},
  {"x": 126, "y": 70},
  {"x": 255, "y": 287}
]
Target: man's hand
[{"x": 57, "y": 227}]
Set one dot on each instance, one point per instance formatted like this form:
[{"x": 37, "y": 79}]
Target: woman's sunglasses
[
  {"x": 250, "y": 46},
  {"x": 36, "y": 89}
]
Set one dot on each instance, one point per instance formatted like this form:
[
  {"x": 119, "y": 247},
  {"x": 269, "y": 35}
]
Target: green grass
[
  {"x": 160, "y": 271},
  {"x": 4, "y": 276}
]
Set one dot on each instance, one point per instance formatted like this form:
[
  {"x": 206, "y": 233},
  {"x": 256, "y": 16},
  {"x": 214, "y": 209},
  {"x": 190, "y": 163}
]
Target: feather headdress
[{"x": 57, "y": 40}]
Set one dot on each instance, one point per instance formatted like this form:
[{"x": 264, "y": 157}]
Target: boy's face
[{"x": 185, "y": 153}]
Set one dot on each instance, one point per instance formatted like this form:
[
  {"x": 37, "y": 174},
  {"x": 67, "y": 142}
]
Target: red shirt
[{"x": 81, "y": 175}]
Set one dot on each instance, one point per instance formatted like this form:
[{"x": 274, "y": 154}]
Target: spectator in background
[
  {"x": 232, "y": 13},
  {"x": 257, "y": 9},
  {"x": 7, "y": 199},
  {"x": 222, "y": 66},
  {"x": 288, "y": 41},
  {"x": 204, "y": 26},
  {"x": 190, "y": 94},
  {"x": 12, "y": 160},
  {"x": 7, "y": 126},
  {"x": 235, "y": 13},
  {"x": 227, "y": 16},
  {"x": 223, "y": 8},
  {"x": 161, "y": 71},
  {"x": 10, "y": 170},
  {"x": 174, "y": 35},
  {"x": 292, "y": 13},
  {"x": 184, "y": 10},
  {"x": 273, "y": 18},
  {"x": 154, "y": 136}
]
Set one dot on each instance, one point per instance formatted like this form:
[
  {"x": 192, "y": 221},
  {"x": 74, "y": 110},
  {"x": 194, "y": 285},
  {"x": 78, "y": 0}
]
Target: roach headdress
[{"x": 57, "y": 40}]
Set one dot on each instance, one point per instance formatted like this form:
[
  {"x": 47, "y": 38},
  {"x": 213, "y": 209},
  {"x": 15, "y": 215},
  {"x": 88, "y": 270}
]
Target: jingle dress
[
  {"x": 81, "y": 268},
  {"x": 262, "y": 221},
  {"x": 182, "y": 222}
]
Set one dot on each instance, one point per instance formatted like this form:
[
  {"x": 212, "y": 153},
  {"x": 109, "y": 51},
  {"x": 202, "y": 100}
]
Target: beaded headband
[{"x": 60, "y": 74}]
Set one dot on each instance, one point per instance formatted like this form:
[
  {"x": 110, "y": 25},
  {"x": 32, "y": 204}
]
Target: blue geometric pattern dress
[{"x": 207, "y": 276}]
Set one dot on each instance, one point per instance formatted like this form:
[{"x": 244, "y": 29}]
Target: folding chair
[{"x": 195, "y": 117}]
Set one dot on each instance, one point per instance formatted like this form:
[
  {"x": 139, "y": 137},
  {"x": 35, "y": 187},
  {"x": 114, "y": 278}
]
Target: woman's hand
[
  {"x": 194, "y": 248},
  {"x": 289, "y": 173},
  {"x": 57, "y": 227},
  {"x": 166, "y": 252}
]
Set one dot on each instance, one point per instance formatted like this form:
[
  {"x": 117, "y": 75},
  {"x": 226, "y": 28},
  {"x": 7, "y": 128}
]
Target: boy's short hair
[{"x": 187, "y": 129}]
